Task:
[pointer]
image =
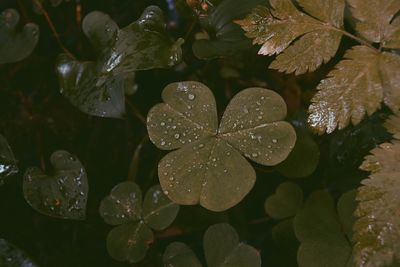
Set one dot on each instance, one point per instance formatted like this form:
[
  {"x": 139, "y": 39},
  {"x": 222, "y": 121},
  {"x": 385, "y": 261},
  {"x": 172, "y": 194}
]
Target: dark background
[{"x": 37, "y": 120}]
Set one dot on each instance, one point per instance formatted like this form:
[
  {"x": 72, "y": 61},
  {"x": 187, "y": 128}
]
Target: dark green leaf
[
  {"x": 16, "y": 45},
  {"x": 158, "y": 211},
  {"x": 129, "y": 242},
  {"x": 287, "y": 200},
  {"x": 11, "y": 256},
  {"x": 180, "y": 255},
  {"x": 123, "y": 205},
  {"x": 8, "y": 163},
  {"x": 61, "y": 195}
]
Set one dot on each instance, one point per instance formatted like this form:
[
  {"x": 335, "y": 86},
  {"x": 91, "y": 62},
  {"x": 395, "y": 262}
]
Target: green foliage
[
  {"x": 16, "y": 45},
  {"x": 11, "y": 256},
  {"x": 8, "y": 163},
  {"x": 377, "y": 227},
  {"x": 63, "y": 194},
  {"x": 209, "y": 168},
  {"x": 130, "y": 240},
  {"x": 98, "y": 88},
  {"x": 221, "y": 248}
]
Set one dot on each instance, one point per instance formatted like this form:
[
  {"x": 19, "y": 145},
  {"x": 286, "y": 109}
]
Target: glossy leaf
[
  {"x": 285, "y": 203},
  {"x": 226, "y": 38},
  {"x": 129, "y": 242},
  {"x": 251, "y": 125},
  {"x": 8, "y": 163},
  {"x": 180, "y": 255},
  {"x": 97, "y": 88},
  {"x": 277, "y": 28},
  {"x": 319, "y": 229},
  {"x": 11, "y": 256},
  {"x": 374, "y": 19},
  {"x": 16, "y": 45},
  {"x": 377, "y": 229},
  {"x": 124, "y": 204},
  {"x": 355, "y": 88},
  {"x": 158, "y": 211},
  {"x": 223, "y": 249},
  {"x": 63, "y": 194}
]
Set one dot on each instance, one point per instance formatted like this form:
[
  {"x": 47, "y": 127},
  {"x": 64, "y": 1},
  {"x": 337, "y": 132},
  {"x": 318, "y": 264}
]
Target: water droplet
[
  {"x": 162, "y": 123},
  {"x": 254, "y": 155},
  {"x": 176, "y": 136},
  {"x": 171, "y": 178},
  {"x": 163, "y": 143},
  {"x": 191, "y": 96},
  {"x": 166, "y": 192},
  {"x": 274, "y": 141}
]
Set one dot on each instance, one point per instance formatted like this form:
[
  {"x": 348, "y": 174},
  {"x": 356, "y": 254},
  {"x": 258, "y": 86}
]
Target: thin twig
[
  {"x": 52, "y": 28},
  {"x": 352, "y": 36},
  {"x": 134, "y": 166}
]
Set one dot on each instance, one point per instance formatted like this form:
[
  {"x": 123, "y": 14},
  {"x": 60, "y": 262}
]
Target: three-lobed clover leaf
[
  {"x": 225, "y": 37},
  {"x": 208, "y": 167},
  {"x": 97, "y": 88},
  {"x": 11, "y": 256},
  {"x": 131, "y": 238},
  {"x": 63, "y": 194},
  {"x": 315, "y": 36},
  {"x": 285, "y": 203},
  {"x": 377, "y": 228},
  {"x": 221, "y": 247},
  {"x": 16, "y": 45},
  {"x": 324, "y": 233},
  {"x": 8, "y": 163}
]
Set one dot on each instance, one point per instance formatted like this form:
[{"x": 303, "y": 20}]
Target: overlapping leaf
[
  {"x": 277, "y": 28},
  {"x": 355, "y": 88},
  {"x": 16, "y": 45},
  {"x": 226, "y": 38},
  {"x": 323, "y": 233},
  {"x": 285, "y": 203},
  {"x": 8, "y": 163},
  {"x": 97, "y": 88},
  {"x": 131, "y": 238},
  {"x": 61, "y": 195},
  {"x": 377, "y": 229},
  {"x": 11, "y": 256},
  {"x": 222, "y": 249},
  {"x": 375, "y": 21},
  {"x": 209, "y": 167}
]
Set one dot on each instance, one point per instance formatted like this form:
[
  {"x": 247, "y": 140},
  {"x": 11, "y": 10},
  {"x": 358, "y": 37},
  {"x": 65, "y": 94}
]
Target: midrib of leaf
[
  {"x": 135, "y": 234},
  {"x": 222, "y": 135},
  {"x": 206, "y": 171},
  {"x": 226, "y": 260},
  {"x": 158, "y": 210}
]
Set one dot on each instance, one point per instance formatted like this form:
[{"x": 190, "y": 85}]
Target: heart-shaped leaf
[
  {"x": 11, "y": 256},
  {"x": 131, "y": 239},
  {"x": 8, "y": 163},
  {"x": 180, "y": 255},
  {"x": 222, "y": 249},
  {"x": 209, "y": 168},
  {"x": 97, "y": 88},
  {"x": 287, "y": 200},
  {"x": 63, "y": 194},
  {"x": 16, "y": 45},
  {"x": 226, "y": 37}
]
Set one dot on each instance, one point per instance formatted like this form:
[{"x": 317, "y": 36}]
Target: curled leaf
[
  {"x": 63, "y": 194},
  {"x": 8, "y": 163},
  {"x": 16, "y": 45},
  {"x": 11, "y": 256},
  {"x": 277, "y": 28},
  {"x": 98, "y": 88},
  {"x": 209, "y": 168}
]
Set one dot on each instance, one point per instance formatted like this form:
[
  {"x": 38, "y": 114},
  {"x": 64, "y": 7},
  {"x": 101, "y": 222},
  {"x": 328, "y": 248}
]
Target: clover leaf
[
  {"x": 61, "y": 195},
  {"x": 15, "y": 45},
  {"x": 285, "y": 203},
  {"x": 8, "y": 163},
  {"x": 97, "y": 88},
  {"x": 226, "y": 37},
  {"x": 11, "y": 256},
  {"x": 221, "y": 246},
  {"x": 131, "y": 238},
  {"x": 209, "y": 167}
]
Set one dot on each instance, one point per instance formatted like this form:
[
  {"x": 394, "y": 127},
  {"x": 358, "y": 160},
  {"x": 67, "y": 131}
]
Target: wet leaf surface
[
  {"x": 98, "y": 88},
  {"x": 11, "y": 256},
  {"x": 209, "y": 168},
  {"x": 15, "y": 44},
  {"x": 63, "y": 194},
  {"x": 285, "y": 203},
  {"x": 8, "y": 163},
  {"x": 180, "y": 255}
]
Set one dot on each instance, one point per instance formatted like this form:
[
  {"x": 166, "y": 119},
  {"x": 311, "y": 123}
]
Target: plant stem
[
  {"x": 136, "y": 112},
  {"x": 352, "y": 36},
  {"x": 134, "y": 166},
  {"x": 52, "y": 28}
]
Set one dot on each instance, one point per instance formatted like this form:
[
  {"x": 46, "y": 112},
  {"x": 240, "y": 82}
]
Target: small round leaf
[
  {"x": 287, "y": 200},
  {"x": 62, "y": 195}
]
